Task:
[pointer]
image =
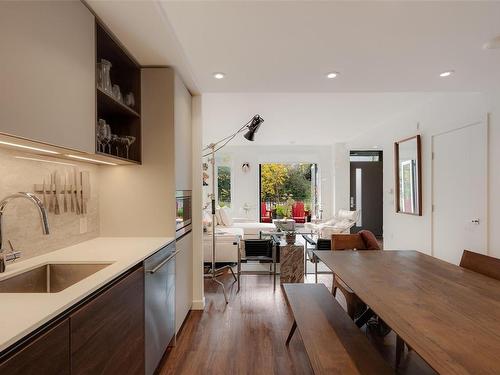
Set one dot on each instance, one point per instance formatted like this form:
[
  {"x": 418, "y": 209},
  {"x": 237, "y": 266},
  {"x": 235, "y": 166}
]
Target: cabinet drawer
[
  {"x": 107, "y": 334},
  {"x": 48, "y": 354}
]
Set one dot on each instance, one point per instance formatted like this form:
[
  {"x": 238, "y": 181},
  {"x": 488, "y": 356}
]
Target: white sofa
[
  {"x": 226, "y": 250},
  {"x": 226, "y": 231},
  {"x": 342, "y": 223},
  {"x": 251, "y": 229}
]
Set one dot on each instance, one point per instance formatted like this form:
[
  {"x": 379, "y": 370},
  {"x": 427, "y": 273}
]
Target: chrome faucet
[{"x": 13, "y": 255}]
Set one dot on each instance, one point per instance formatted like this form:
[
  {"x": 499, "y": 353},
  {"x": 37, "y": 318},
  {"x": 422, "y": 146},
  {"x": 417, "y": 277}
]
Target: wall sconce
[{"x": 245, "y": 167}]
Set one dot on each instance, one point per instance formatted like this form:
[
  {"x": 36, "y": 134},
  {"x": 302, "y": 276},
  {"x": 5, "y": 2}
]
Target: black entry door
[{"x": 367, "y": 190}]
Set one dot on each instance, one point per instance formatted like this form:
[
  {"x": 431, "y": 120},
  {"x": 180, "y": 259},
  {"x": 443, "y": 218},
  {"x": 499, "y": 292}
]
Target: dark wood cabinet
[
  {"x": 107, "y": 334},
  {"x": 48, "y": 354}
]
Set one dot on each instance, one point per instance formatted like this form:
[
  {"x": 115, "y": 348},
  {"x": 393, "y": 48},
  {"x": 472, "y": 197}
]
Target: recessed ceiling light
[
  {"x": 447, "y": 73},
  {"x": 89, "y": 159},
  {"x": 29, "y": 147},
  {"x": 332, "y": 75},
  {"x": 219, "y": 75}
]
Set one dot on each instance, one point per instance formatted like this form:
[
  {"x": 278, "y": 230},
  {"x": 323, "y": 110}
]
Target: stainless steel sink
[{"x": 49, "y": 278}]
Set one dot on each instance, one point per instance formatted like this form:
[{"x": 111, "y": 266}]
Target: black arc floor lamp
[{"x": 250, "y": 128}]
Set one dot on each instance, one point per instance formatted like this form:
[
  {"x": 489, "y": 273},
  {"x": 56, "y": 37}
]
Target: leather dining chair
[
  {"x": 363, "y": 240},
  {"x": 481, "y": 263},
  {"x": 262, "y": 251}
]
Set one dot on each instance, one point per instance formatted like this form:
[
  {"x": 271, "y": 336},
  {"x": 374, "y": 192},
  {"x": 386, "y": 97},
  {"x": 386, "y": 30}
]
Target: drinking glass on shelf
[
  {"x": 103, "y": 76},
  {"x": 117, "y": 94},
  {"x": 128, "y": 140},
  {"x": 100, "y": 75},
  {"x": 101, "y": 134},
  {"x": 107, "y": 136},
  {"x": 113, "y": 141},
  {"x": 130, "y": 100}
]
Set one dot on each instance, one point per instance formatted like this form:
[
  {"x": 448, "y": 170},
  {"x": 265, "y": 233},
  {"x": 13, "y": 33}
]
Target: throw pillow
[
  {"x": 218, "y": 216},
  {"x": 226, "y": 219}
]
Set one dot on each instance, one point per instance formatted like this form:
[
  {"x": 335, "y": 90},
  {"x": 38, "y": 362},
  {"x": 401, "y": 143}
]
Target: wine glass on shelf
[
  {"x": 128, "y": 140},
  {"x": 107, "y": 136},
  {"x": 101, "y": 134},
  {"x": 113, "y": 141}
]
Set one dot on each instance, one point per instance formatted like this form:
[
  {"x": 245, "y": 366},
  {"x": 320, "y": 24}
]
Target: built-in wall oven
[
  {"x": 183, "y": 208},
  {"x": 159, "y": 305}
]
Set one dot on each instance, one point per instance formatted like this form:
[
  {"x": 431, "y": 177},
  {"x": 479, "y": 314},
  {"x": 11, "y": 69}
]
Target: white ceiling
[
  {"x": 147, "y": 34},
  {"x": 282, "y": 46},
  {"x": 278, "y": 46}
]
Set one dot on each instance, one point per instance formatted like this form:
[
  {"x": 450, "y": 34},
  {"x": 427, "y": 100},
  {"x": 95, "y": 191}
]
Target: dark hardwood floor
[{"x": 248, "y": 335}]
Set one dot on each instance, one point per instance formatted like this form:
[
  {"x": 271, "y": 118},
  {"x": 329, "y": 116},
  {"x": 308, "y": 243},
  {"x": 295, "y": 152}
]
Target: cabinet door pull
[{"x": 154, "y": 270}]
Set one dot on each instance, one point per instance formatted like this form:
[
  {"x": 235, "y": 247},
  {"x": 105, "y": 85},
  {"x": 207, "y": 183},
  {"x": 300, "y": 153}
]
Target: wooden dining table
[{"x": 449, "y": 315}]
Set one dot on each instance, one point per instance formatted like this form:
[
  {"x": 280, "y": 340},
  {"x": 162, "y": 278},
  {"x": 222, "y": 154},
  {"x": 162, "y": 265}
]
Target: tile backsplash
[{"x": 21, "y": 221}]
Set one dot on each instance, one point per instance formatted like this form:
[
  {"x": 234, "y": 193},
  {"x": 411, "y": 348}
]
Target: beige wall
[
  {"x": 21, "y": 222},
  {"x": 139, "y": 200}
]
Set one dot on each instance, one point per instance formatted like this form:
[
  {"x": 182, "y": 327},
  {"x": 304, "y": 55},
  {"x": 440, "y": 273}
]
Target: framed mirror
[{"x": 408, "y": 173}]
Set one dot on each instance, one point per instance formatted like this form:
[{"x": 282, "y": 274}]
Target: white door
[{"x": 460, "y": 176}]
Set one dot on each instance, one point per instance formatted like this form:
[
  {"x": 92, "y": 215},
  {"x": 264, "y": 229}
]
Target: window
[
  {"x": 369, "y": 156},
  {"x": 289, "y": 190},
  {"x": 224, "y": 186}
]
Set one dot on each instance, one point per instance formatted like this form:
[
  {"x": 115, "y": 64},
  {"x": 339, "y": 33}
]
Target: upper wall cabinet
[{"x": 47, "y": 73}]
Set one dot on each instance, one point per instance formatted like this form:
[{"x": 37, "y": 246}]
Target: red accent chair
[
  {"x": 298, "y": 212},
  {"x": 265, "y": 214}
]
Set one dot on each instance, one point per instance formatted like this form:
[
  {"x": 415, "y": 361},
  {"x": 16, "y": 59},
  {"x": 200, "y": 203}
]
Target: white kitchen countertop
[{"x": 22, "y": 313}]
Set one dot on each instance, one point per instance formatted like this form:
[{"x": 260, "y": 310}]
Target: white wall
[
  {"x": 444, "y": 112},
  {"x": 245, "y": 186},
  {"x": 341, "y": 174}
]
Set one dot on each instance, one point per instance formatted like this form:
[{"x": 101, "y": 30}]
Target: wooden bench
[{"x": 334, "y": 344}]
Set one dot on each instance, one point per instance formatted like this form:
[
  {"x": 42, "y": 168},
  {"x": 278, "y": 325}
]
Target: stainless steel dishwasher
[{"x": 159, "y": 304}]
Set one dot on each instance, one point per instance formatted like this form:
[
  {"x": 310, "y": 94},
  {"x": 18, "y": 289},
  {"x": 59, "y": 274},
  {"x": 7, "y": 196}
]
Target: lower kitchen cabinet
[
  {"x": 49, "y": 354},
  {"x": 107, "y": 334}
]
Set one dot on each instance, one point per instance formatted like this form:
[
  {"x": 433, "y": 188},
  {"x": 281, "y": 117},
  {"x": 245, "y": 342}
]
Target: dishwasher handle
[{"x": 168, "y": 259}]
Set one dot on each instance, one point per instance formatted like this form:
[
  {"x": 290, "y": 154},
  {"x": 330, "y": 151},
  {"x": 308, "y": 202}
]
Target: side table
[{"x": 291, "y": 263}]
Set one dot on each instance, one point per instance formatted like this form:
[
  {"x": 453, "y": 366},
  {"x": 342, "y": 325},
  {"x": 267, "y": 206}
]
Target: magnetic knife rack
[{"x": 59, "y": 198}]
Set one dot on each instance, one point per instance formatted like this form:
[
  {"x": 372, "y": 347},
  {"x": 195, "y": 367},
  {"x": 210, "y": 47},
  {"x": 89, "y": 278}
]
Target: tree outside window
[{"x": 224, "y": 186}]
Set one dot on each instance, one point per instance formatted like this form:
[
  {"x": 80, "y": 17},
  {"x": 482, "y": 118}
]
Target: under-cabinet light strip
[
  {"x": 91, "y": 160},
  {"x": 44, "y": 161},
  {"x": 29, "y": 147}
]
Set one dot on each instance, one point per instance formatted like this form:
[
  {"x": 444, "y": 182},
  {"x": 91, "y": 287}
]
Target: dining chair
[
  {"x": 262, "y": 251},
  {"x": 481, "y": 263},
  {"x": 363, "y": 240}
]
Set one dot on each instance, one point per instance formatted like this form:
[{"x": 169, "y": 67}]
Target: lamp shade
[{"x": 253, "y": 127}]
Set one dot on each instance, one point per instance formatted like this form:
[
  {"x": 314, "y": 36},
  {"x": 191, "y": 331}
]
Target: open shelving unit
[{"x": 126, "y": 73}]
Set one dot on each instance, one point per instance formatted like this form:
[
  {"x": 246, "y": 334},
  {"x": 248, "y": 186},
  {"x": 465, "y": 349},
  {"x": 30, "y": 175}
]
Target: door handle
[{"x": 476, "y": 221}]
